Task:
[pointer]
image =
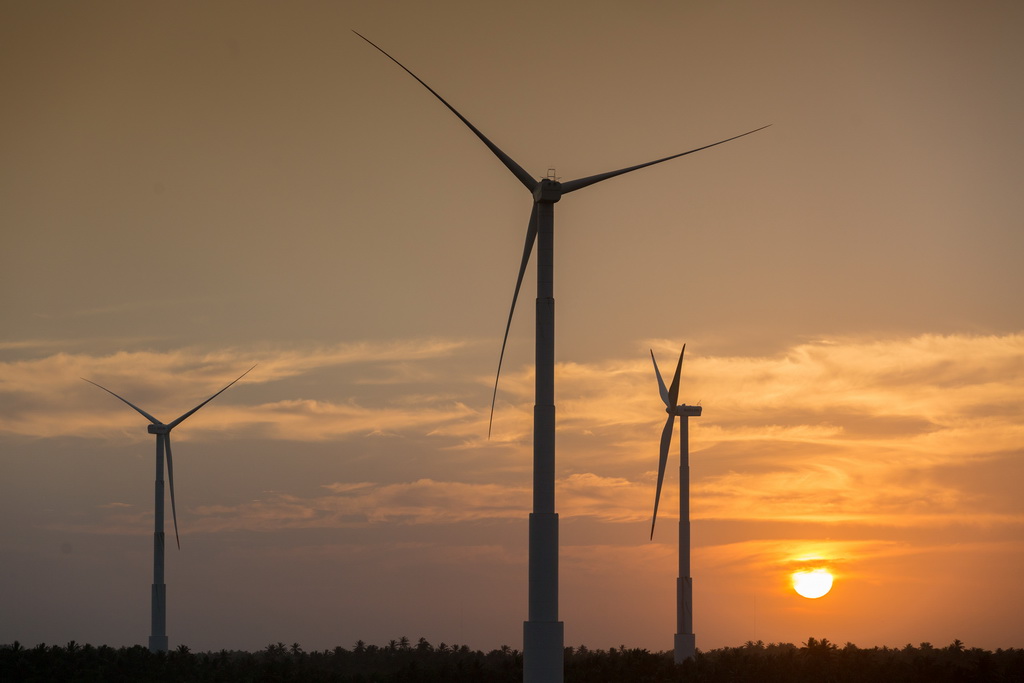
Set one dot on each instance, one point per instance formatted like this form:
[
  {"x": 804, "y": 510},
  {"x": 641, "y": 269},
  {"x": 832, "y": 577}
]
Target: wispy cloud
[
  {"x": 426, "y": 501},
  {"x": 349, "y": 504},
  {"x": 311, "y": 420},
  {"x": 45, "y": 397},
  {"x": 844, "y": 559},
  {"x": 849, "y": 430}
]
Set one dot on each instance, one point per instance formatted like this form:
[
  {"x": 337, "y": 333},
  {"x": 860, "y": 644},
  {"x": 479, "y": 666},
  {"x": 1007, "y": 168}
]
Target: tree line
[{"x": 817, "y": 661}]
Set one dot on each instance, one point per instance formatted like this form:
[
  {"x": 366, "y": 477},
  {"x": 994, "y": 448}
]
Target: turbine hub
[
  {"x": 548, "y": 190},
  {"x": 158, "y": 429}
]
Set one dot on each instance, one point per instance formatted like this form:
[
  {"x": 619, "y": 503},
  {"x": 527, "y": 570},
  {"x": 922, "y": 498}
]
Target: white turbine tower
[
  {"x": 158, "y": 631},
  {"x": 542, "y": 632},
  {"x": 685, "y": 641}
]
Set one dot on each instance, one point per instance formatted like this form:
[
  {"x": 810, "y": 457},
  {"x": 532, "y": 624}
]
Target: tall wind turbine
[
  {"x": 158, "y": 630},
  {"x": 685, "y": 641},
  {"x": 543, "y": 632}
]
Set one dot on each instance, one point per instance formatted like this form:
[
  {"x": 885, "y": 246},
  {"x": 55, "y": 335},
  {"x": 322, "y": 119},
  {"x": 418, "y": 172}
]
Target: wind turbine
[
  {"x": 542, "y": 632},
  {"x": 158, "y": 636},
  {"x": 685, "y": 641}
]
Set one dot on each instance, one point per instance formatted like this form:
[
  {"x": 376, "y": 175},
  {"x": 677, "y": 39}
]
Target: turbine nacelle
[
  {"x": 158, "y": 429},
  {"x": 547, "y": 190},
  {"x": 685, "y": 411}
]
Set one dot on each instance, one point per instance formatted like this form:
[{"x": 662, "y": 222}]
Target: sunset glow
[{"x": 192, "y": 188}]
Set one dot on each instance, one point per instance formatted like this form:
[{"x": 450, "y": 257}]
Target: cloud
[
  {"x": 310, "y": 420},
  {"x": 829, "y": 431},
  {"x": 45, "y": 397},
  {"x": 890, "y": 433},
  {"x": 347, "y": 504},
  {"x": 844, "y": 558},
  {"x": 424, "y": 501},
  {"x": 188, "y": 365}
]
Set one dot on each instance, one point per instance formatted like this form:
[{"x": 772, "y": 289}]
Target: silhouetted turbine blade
[
  {"x": 661, "y": 382},
  {"x": 517, "y": 170},
  {"x": 666, "y": 434},
  {"x": 138, "y": 409},
  {"x": 182, "y": 418},
  {"x": 170, "y": 484},
  {"x": 531, "y": 237},
  {"x": 666, "y": 441},
  {"x": 573, "y": 185},
  {"x": 673, "y": 392}
]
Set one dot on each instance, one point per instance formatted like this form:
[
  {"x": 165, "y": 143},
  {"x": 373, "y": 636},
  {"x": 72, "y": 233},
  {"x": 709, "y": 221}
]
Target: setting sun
[{"x": 812, "y": 583}]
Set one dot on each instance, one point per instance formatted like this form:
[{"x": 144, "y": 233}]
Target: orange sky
[{"x": 190, "y": 190}]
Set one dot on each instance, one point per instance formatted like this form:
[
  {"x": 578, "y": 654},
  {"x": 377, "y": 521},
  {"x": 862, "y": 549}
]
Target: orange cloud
[
  {"x": 830, "y": 431},
  {"x": 45, "y": 396}
]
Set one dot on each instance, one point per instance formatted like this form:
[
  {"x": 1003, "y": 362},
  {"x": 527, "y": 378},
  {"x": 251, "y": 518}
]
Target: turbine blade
[
  {"x": 666, "y": 441},
  {"x": 661, "y": 382},
  {"x": 573, "y": 185},
  {"x": 170, "y": 484},
  {"x": 182, "y": 418},
  {"x": 138, "y": 409},
  {"x": 673, "y": 392},
  {"x": 531, "y": 237},
  {"x": 517, "y": 170}
]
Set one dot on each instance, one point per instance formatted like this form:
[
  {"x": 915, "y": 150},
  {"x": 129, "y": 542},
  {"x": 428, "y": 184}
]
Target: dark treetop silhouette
[{"x": 816, "y": 661}]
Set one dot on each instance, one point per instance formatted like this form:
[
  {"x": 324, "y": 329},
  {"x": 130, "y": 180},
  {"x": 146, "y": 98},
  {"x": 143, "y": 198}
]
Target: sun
[{"x": 812, "y": 583}]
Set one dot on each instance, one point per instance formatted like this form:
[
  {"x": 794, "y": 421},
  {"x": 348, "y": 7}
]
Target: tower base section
[
  {"x": 686, "y": 647},
  {"x": 543, "y": 651},
  {"x": 158, "y": 616}
]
